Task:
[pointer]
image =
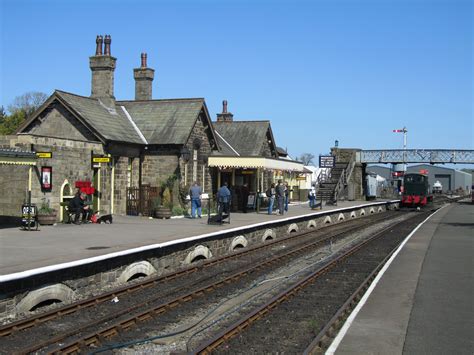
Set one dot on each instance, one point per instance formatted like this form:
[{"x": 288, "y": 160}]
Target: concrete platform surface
[
  {"x": 51, "y": 245},
  {"x": 423, "y": 303}
]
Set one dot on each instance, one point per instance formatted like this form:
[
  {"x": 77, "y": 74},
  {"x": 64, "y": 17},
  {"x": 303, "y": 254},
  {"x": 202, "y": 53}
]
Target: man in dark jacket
[
  {"x": 76, "y": 206},
  {"x": 223, "y": 198},
  {"x": 280, "y": 194}
]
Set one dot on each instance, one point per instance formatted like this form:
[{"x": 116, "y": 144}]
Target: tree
[
  {"x": 28, "y": 102},
  {"x": 306, "y": 158},
  {"x": 21, "y": 107},
  {"x": 10, "y": 123}
]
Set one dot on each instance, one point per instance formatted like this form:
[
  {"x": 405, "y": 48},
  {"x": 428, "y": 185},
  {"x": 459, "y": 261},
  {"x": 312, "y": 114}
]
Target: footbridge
[{"x": 427, "y": 156}]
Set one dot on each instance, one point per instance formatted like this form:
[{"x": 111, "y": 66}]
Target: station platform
[
  {"x": 23, "y": 251},
  {"x": 423, "y": 302}
]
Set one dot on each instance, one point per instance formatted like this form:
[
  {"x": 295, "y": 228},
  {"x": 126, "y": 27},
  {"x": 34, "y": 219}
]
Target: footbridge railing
[{"x": 428, "y": 156}]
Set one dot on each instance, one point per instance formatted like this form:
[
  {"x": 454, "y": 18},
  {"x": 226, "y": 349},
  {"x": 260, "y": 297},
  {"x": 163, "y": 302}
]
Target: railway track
[
  {"x": 330, "y": 299},
  {"x": 150, "y": 308}
]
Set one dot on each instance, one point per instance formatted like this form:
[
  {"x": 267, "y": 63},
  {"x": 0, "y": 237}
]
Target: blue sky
[{"x": 318, "y": 70}]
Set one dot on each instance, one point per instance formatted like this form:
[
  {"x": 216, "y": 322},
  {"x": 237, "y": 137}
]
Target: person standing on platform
[
  {"x": 280, "y": 196},
  {"x": 287, "y": 195},
  {"x": 271, "y": 198},
  {"x": 223, "y": 199},
  {"x": 245, "y": 197},
  {"x": 312, "y": 196},
  {"x": 195, "y": 192}
]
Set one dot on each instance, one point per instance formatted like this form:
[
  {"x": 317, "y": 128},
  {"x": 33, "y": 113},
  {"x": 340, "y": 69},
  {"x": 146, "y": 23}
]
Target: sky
[{"x": 320, "y": 71}]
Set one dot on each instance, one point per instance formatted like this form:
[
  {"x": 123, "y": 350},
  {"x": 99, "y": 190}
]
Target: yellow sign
[
  {"x": 101, "y": 159},
  {"x": 247, "y": 172},
  {"x": 302, "y": 178},
  {"x": 44, "y": 155}
]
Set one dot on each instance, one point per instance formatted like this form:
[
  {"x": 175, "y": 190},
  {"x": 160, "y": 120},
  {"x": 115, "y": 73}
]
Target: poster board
[
  {"x": 251, "y": 200},
  {"x": 46, "y": 178}
]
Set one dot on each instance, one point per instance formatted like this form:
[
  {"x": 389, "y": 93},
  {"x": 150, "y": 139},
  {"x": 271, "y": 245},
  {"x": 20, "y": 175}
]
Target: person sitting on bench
[{"x": 77, "y": 207}]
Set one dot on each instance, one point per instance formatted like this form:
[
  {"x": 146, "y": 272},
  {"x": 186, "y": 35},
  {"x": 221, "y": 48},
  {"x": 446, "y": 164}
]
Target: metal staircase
[{"x": 333, "y": 184}]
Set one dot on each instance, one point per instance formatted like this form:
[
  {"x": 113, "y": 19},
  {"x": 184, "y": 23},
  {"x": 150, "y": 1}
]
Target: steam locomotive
[{"x": 416, "y": 191}]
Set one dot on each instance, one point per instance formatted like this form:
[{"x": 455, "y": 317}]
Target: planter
[
  {"x": 46, "y": 219},
  {"x": 163, "y": 213}
]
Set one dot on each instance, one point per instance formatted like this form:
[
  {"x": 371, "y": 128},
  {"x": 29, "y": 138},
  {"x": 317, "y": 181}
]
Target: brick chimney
[
  {"x": 102, "y": 67},
  {"x": 225, "y": 116},
  {"x": 143, "y": 80}
]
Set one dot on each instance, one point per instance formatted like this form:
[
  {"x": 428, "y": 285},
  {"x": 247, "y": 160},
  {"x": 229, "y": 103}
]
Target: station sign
[
  {"x": 96, "y": 160},
  {"x": 101, "y": 159},
  {"x": 44, "y": 155},
  {"x": 327, "y": 161},
  {"x": 301, "y": 177}
]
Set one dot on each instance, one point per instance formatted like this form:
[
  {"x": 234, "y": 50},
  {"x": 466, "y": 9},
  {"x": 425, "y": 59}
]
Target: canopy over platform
[
  {"x": 226, "y": 162},
  {"x": 17, "y": 157}
]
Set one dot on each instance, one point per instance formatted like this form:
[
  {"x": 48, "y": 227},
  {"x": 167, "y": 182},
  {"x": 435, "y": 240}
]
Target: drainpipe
[
  {"x": 258, "y": 190},
  {"x": 98, "y": 190},
  {"x": 29, "y": 196},
  {"x": 112, "y": 183}
]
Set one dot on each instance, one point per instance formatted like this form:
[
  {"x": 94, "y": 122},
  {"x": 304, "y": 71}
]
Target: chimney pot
[
  {"x": 99, "y": 41},
  {"x": 107, "y": 41},
  {"x": 143, "y": 80},
  {"x": 225, "y": 116}
]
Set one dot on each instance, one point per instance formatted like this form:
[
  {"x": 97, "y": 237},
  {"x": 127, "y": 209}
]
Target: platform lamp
[{"x": 185, "y": 156}]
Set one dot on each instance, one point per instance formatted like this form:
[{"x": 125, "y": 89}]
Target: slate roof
[
  {"x": 111, "y": 124},
  {"x": 282, "y": 152},
  {"x": 164, "y": 121},
  {"x": 225, "y": 148},
  {"x": 244, "y": 136}
]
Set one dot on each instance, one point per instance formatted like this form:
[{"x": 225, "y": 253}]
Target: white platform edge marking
[
  {"x": 337, "y": 341},
  {"x": 44, "y": 269}
]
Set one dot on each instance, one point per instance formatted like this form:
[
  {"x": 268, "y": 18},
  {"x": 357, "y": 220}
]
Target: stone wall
[
  {"x": 201, "y": 132},
  {"x": 13, "y": 192},
  {"x": 346, "y": 155},
  {"x": 71, "y": 162}
]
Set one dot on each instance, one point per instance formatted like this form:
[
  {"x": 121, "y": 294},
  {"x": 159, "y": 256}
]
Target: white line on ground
[{"x": 337, "y": 341}]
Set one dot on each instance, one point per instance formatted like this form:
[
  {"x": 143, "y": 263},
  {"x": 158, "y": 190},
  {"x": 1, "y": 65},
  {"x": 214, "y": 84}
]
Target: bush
[
  {"x": 179, "y": 211},
  {"x": 45, "y": 207}
]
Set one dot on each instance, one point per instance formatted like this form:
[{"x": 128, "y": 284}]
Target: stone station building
[
  {"x": 115, "y": 146},
  {"x": 121, "y": 152}
]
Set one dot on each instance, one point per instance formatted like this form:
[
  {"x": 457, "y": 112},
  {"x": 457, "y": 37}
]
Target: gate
[{"x": 140, "y": 200}]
